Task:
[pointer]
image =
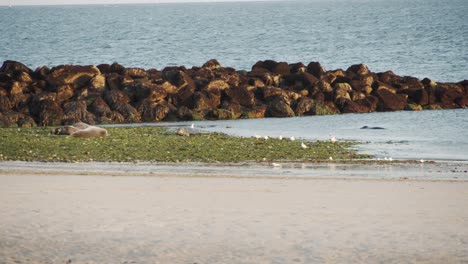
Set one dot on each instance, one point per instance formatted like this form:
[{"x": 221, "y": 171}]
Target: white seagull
[
  {"x": 280, "y": 138},
  {"x": 304, "y": 146},
  {"x": 192, "y": 126},
  {"x": 292, "y": 138}
]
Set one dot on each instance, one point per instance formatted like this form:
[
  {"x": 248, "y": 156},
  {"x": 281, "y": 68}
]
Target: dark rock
[
  {"x": 304, "y": 106},
  {"x": 14, "y": 67},
  {"x": 135, "y": 72},
  {"x": 100, "y": 108},
  {"x": 242, "y": 95},
  {"x": 359, "y": 69},
  {"x": 117, "y": 68},
  {"x": 26, "y": 121},
  {"x": 184, "y": 113},
  {"x": 10, "y": 118},
  {"x": 50, "y": 113},
  {"x": 257, "y": 111},
  {"x": 129, "y": 113},
  {"x": 41, "y": 72},
  {"x": 64, "y": 92},
  {"x": 77, "y": 111},
  {"x": 450, "y": 95},
  {"x": 418, "y": 96},
  {"x": 389, "y": 101},
  {"x": 116, "y": 98},
  {"x": 348, "y": 106},
  {"x": 151, "y": 111},
  {"x": 316, "y": 69},
  {"x": 280, "y": 107},
  {"x": 212, "y": 64},
  {"x": 184, "y": 96},
  {"x": 298, "y": 67},
  {"x": 223, "y": 114},
  {"x": 271, "y": 91},
  {"x": 5, "y": 104},
  {"x": 369, "y": 101},
  {"x": 114, "y": 81},
  {"x": 234, "y": 107},
  {"x": 206, "y": 100},
  {"x": 388, "y": 77}
]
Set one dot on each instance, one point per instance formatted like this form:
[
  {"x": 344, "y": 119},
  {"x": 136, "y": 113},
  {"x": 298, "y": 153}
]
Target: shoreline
[{"x": 359, "y": 170}]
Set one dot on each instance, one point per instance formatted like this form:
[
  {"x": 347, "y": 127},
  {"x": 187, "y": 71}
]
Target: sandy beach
[{"x": 64, "y": 217}]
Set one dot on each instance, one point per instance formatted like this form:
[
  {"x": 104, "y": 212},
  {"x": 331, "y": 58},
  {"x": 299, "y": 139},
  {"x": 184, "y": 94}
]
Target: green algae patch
[{"x": 156, "y": 144}]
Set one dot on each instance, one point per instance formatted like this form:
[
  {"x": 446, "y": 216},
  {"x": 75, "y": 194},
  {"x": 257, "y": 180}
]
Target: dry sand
[{"x": 48, "y": 218}]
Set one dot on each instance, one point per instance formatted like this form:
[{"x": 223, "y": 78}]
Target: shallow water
[{"x": 428, "y": 135}]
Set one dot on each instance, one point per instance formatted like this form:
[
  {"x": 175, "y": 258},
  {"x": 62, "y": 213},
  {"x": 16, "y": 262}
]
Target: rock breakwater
[{"x": 105, "y": 93}]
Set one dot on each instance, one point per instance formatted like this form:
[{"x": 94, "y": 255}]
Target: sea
[{"x": 421, "y": 38}]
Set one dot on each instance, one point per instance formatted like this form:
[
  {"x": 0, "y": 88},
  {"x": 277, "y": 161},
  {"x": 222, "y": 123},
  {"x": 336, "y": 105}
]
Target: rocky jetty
[{"x": 105, "y": 93}]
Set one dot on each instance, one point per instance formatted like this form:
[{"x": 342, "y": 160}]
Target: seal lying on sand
[
  {"x": 81, "y": 130},
  {"x": 90, "y": 132}
]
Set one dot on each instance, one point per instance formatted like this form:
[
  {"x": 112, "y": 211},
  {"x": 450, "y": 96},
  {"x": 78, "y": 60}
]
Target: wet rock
[
  {"x": 369, "y": 101},
  {"x": 450, "y": 95},
  {"x": 64, "y": 92},
  {"x": 233, "y": 107},
  {"x": 41, "y": 72},
  {"x": 257, "y": 111},
  {"x": 348, "y": 106},
  {"x": 114, "y": 81},
  {"x": 413, "y": 107},
  {"x": 223, "y": 114},
  {"x": 10, "y": 118},
  {"x": 271, "y": 91},
  {"x": 418, "y": 96}
]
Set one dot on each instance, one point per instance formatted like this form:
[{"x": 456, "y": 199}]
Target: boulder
[
  {"x": 153, "y": 111},
  {"x": 5, "y": 104},
  {"x": 26, "y": 121},
  {"x": 348, "y": 106},
  {"x": 388, "y": 77},
  {"x": 242, "y": 95},
  {"x": 64, "y": 92},
  {"x": 129, "y": 113},
  {"x": 135, "y": 72},
  {"x": 114, "y": 81},
  {"x": 98, "y": 82},
  {"x": 223, "y": 114},
  {"x": 14, "y": 67},
  {"x": 316, "y": 69},
  {"x": 184, "y": 96},
  {"x": 233, "y": 107},
  {"x": 206, "y": 100},
  {"x": 117, "y": 68},
  {"x": 358, "y": 69},
  {"x": 279, "y": 107},
  {"x": 17, "y": 88},
  {"x": 100, "y": 108},
  {"x": 216, "y": 84},
  {"x": 369, "y": 101},
  {"x": 450, "y": 95},
  {"x": 77, "y": 111},
  {"x": 256, "y": 111},
  {"x": 304, "y": 106},
  {"x": 298, "y": 67},
  {"x": 324, "y": 86},
  {"x": 211, "y": 65},
  {"x": 418, "y": 96},
  {"x": 10, "y": 118},
  {"x": 41, "y": 72},
  {"x": 271, "y": 91},
  {"x": 184, "y": 113},
  {"x": 50, "y": 113},
  {"x": 389, "y": 101},
  {"x": 342, "y": 90},
  {"x": 77, "y": 76},
  {"x": 116, "y": 98}
]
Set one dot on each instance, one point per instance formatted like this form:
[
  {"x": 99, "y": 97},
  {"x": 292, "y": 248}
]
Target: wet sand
[{"x": 60, "y": 217}]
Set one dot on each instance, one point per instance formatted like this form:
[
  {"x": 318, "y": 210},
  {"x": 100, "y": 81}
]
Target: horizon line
[{"x": 140, "y": 2}]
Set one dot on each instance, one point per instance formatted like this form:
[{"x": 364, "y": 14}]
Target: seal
[
  {"x": 90, "y": 132},
  {"x": 64, "y": 130}
]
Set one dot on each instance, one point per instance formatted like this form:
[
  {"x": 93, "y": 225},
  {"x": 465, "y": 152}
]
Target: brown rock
[
  {"x": 129, "y": 113},
  {"x": 206, "y": 100},
  {"x": 184, "y": 113},
  {"x": 135, "y": 72},
  {"x": 217, "y": 84},
  {"x": 418, "y": 96},
  {"x": 64, "y": 92},
  {"x": 257, "y": 111},
  {"x": 383, "y": 86},
  {"x": 114, "y": 81},
  {"x": 26, "y": 121},
  {"x": 77, "y": 111},
  {"x": 388, "y": 77},
  {"x": 13, "y": 67},
  {"x": 450, "y": 95},
  {"x": 389, "y": 101},
  {"x": 304, "y": 106},
  {"x": 116, "y": 98},
  {"x": 50, "y": 113},
  {"x": 298, "y": 67},
  {"x": 117, "y": 68},
  {"x": 370, "y": 102},
  {"x": 279, "y": 107},
  {"x": 5, "y": 104},
  {"x": 324, "y": 86},
  {"x": 348, "y": 106},
  {"x": 152, "y": 111},
  {"x": 211, "y": 65},
  {"x": 233, "y": 107},
  {"x": 271, "y": 91},
  {"x": 242, "y": 95},
  {"x": 77, "y": 76},
  {"x": 342, "y": 90},
  {"x": 41, "y": 72},
  {"x": 98, "y": 82},
  {"x": 359, "y": 69},
  {"x": 223, "y": 114},
  {"x": 18, "y": 88},
  {"x": 316, "y": 69},
  {"x": 9, "y": 118}
]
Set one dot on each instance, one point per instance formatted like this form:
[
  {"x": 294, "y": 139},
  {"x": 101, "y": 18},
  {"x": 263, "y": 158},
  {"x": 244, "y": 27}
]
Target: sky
[{"x": 62, "y": 2}]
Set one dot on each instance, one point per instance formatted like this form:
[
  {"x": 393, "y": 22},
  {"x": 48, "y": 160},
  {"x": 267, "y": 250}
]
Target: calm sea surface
[{"x": 422, "y": 38}]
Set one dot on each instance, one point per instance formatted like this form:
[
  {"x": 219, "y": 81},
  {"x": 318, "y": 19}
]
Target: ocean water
[
  {"x": 428, "y": 135},
  {"x": 422, "y": 38}
]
